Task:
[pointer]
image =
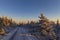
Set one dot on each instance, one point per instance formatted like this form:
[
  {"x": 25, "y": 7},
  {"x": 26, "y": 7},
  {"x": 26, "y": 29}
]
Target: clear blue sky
[{"x": 30, "y": 9}]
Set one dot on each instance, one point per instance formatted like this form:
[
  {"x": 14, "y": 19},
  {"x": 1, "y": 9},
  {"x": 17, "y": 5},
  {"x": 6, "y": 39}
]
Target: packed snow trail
[{"x": 22, "y": 34}]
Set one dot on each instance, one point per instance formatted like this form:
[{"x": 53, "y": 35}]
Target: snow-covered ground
[{"x": 23, "y": 34}]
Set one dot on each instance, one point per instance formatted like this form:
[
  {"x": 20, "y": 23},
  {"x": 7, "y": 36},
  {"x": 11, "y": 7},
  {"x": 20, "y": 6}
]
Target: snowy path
[{"x": 22, "y": 34}]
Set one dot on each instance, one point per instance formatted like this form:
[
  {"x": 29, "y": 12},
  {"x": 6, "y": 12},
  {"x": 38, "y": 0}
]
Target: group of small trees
[
  {"x": 44, "y": 28},
  {"x": 6, "y": 23}
]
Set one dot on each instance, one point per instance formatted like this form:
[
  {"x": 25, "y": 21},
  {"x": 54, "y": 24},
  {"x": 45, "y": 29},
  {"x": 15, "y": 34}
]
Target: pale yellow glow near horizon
[
  {"x": 24, "y": 20},
  {"x": 35, "y": 20}
]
